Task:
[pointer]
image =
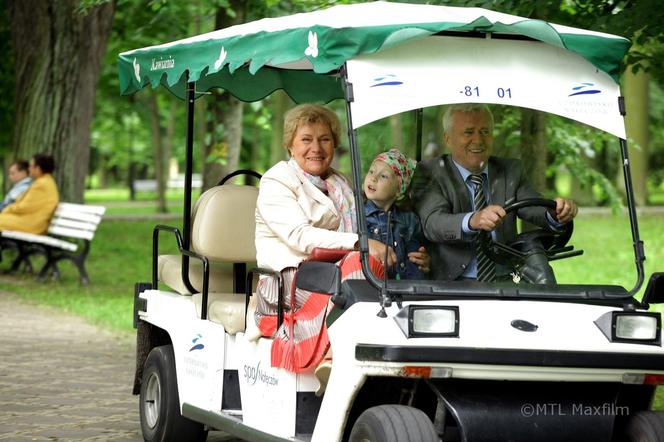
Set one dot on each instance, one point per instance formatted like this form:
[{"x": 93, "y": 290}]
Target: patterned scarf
[{"x": 338, "y": 191}]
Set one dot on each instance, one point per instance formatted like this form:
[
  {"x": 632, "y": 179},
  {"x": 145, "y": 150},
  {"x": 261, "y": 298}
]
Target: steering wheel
[{"x": 539, "y": 241}]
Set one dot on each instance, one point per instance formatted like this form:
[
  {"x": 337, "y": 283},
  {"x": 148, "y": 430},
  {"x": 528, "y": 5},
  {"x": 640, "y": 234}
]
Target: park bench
[
  {"x": 69, "y": 235},
  {"x": 150, "y": 185}
]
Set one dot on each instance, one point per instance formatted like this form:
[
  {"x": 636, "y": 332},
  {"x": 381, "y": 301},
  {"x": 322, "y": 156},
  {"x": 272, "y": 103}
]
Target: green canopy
[{"x": 254, "y": 59}]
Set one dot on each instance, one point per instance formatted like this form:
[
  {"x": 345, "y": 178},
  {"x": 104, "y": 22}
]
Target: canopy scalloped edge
[{"x": 220, "y": 59}]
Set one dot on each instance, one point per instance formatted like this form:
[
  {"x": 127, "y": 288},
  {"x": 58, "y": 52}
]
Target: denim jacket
[{"x": 406, "y": 237}]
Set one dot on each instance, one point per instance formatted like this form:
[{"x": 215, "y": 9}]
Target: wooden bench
[{"x": 69, "y": 235}]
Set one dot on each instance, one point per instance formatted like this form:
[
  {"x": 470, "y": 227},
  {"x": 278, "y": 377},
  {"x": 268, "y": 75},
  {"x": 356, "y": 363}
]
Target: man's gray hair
[{"x": 465, "y": 107}]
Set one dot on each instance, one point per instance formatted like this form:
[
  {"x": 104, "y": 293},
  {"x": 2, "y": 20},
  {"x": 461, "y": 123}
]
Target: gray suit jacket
[{"x": 441, "y": 199}]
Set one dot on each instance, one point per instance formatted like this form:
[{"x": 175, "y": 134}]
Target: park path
[{"x": 64, "y": 379}]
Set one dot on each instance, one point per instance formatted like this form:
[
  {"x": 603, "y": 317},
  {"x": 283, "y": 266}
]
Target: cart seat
[
  {"x": 223, "y": 229},
  {"x": 169, "y": 268}
]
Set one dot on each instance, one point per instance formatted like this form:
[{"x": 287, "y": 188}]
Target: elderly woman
[
  {"x": 304, "y": 203},
  {"x": 32, "y": 211}
]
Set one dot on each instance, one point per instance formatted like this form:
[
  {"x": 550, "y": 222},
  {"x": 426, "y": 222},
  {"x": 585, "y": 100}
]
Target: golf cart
[{"x": 413, "y": 360}]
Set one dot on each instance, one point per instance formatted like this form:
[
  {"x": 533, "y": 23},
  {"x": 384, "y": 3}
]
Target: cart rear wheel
[
  {"x": 160, "y": 404},
  {"x": 393, "y": 423},
  {"x": 646, "y": 426}
]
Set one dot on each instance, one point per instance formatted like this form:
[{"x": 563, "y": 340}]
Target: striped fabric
[
  {"x": 301, "y": 341},
  {"x": 486, "y": 268}
]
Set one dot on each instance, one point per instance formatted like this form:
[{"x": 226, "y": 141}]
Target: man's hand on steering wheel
[
  {"x": 565, "y": 211},
  {"x": 488, "y": 218}
]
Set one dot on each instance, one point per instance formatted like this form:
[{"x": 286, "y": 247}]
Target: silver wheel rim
[{"x": 152, "y": 400}]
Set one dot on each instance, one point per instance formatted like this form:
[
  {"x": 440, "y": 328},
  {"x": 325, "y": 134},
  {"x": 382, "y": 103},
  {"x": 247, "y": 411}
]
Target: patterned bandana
[{"x": 402, "y": 166}]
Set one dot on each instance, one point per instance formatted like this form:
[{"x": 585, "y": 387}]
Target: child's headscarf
[{"x": 402, "y": 166}]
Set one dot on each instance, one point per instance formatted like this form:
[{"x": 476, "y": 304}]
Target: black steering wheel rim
[
  {"x": 550, "y": 239},
  {"x": 529, "y": 202}
]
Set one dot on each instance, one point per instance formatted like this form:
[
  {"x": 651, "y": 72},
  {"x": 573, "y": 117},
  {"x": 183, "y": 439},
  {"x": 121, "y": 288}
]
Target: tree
[
  {"x": 533, "y": 147},
  {"x": 630, "y": 18},
  {"x": 6, "y": 86},
  {"x": 222, "y": 153},
  {"x": 58, "y": 48},
  {"x": 635, "y": 88}
]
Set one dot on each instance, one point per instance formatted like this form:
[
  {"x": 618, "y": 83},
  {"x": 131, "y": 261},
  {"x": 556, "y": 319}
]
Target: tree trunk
[
  {"x": 280, "y": 103},
  {"x": 396, "y": 134},
  {"x": 168, "y": 141},
  {"x": 227, "y": 113},
  {"x": 533, "y": 147},
  {"x": 223, "y": 151},
  {"x": 635, "y": 90},
  {"x": 582, "y": 193},
  {"x": 200, "y": 130},
  {"x": 201, "y": 109},
  {"x": 158, "y": 146},
  {"x": 58, "y": 52},
  {"x": 433, "y": 133}
]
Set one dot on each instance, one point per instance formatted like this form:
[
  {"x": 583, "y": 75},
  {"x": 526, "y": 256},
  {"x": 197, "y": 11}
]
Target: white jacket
[{"x": 292, "y": 217}]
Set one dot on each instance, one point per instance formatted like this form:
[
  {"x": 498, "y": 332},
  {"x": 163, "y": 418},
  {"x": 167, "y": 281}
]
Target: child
[{"x": 386, "y": 183}]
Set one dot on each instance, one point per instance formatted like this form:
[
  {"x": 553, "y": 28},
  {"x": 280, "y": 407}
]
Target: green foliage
[
  {"x": 656, "y": 175},
  {"x": 86, "y": 5},
  {"x": 576, "y": 147},
  {"x": 639, "y": 21},
  {"x": 121, "y": 131}
]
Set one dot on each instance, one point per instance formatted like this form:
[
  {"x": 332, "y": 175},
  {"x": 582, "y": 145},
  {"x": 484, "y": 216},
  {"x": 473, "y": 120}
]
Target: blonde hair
[{"x": 308, "y": 114}]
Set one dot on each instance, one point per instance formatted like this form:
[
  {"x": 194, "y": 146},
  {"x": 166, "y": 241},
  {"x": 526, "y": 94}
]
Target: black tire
[
  {"x": 393, "y": 423},
  {"x": 159, "y": 404},
  {"x": 645, "y": 426}
]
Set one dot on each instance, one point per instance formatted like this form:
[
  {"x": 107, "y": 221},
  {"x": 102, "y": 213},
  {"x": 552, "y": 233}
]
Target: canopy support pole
[
  {"x": 356, "y": 163},
  {"x": 186, "y": 215},
  {"x": 639, "y": 251}
]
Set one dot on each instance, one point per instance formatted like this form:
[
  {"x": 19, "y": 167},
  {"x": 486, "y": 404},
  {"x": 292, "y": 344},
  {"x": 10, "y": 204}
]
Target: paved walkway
[{"x": 63, "y": 379}]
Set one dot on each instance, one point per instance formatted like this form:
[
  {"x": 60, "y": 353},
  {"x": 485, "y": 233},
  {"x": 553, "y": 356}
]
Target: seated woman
[
  {"x": 32, "y": 211},
  {"x": 304, "y": 203}
]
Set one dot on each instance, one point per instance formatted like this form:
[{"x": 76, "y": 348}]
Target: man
[
  {"x": 32, "y": 211},
  {"x": 18, "y": 176},
  {"x": 459, "y": 198}
]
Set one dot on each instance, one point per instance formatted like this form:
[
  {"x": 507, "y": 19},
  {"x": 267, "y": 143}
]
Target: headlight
[
  {"x": 635, "y": 327},
  {"x": 428, "y": 321}
]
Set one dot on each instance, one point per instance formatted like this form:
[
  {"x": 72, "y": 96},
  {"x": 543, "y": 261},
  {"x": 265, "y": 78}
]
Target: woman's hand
[
  {"x": 377, "y": 250},
  {"x": 422, "y": 259}
]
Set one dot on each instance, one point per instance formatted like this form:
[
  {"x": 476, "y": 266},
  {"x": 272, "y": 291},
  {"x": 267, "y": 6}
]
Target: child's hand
[{"x": 421, "y": 258}]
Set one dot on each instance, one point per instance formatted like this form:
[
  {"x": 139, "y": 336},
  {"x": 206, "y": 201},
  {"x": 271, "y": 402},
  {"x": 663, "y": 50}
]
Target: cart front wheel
[
  {"x": 160, "y": 404},
  {"x": 393, "y": 423},
  {"x": 645, "y": 426}
]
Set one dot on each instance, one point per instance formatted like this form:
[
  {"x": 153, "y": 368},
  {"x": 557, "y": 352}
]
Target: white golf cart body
[{"x": 516, "y": 363}]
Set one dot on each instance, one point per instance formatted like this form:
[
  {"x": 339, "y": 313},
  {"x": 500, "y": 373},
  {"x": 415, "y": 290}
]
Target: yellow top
[{"x": 32, "y": 212}]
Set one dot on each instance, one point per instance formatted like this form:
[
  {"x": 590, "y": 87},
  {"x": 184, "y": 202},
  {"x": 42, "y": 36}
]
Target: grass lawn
[
  {"x": 117, "y": 201},
  {"x": 121, "y": 252},
  {"x": 119, "y": 257}
]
